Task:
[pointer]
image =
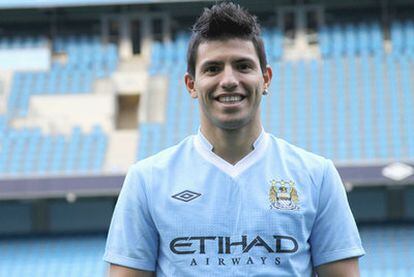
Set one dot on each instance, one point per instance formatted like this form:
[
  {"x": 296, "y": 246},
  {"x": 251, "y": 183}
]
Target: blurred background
[{"x": 89, "y": 87}]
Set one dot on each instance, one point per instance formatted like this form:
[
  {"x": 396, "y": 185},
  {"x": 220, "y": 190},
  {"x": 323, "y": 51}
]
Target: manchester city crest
[{"x": 283, "y": 195}]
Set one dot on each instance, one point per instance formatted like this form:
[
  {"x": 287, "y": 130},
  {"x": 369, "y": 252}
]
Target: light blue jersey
[{"x": 280, "y": 211}]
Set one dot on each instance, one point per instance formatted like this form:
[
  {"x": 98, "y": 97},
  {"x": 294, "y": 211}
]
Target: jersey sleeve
[
  {"x": 132, "y": 238},
  {"x": 334, "y": 234}
]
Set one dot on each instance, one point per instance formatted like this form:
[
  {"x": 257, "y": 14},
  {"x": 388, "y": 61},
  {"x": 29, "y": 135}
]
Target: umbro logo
[{"x": 186, "y": 195}]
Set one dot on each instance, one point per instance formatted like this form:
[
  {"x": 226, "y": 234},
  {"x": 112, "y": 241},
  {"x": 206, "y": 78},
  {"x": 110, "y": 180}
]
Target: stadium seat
[{"x": 53, "y": 256}]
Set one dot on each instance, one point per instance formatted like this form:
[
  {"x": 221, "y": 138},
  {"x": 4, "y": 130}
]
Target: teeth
[{"x": 233, "y": 98}]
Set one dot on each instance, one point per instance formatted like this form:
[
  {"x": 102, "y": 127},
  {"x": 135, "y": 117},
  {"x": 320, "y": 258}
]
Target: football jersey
[{"x": 280, "y": 211}]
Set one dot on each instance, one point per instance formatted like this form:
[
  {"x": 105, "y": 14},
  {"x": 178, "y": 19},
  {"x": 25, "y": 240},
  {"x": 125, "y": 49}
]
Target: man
[{"x": 232, "y": 200}]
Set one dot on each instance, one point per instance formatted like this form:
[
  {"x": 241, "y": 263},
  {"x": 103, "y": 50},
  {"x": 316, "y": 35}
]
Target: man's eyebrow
[
  {"x": 243, "y": 60},
  {"x": 208, "y": 63}
]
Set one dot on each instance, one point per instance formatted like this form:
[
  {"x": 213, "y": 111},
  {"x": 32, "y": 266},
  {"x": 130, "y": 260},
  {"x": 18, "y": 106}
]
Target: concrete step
[
  {"x": 6, "y": 78},
  {"x": 133, "y": 64},
  {"x": 122, "y": 149}
]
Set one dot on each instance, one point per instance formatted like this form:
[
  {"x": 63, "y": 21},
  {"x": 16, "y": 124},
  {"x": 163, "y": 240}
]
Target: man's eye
[
  {"x": 244, "y": 66},
  {"x": 212, "y": 69}
]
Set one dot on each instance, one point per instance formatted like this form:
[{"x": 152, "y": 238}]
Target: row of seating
[
  {"x": 86, "y": 52},
  {"x": 335, "y": 40},
  {"x": 19, "y": 42},
  {"x": 389, "y": 251},
  {"x": 28, "y": 151},
  {"x": 53, "y": 256},
  {"x": 362, "y": 39},
  {"x": 62, "y": 42},
  {"x": 351, "y": 39},
  {"x": 26, "y": 84},
  {"x": 402, "y": 37}
]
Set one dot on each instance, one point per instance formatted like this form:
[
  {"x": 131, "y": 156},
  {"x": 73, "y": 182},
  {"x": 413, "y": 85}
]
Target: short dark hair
[{"x": 222, "y": 21}]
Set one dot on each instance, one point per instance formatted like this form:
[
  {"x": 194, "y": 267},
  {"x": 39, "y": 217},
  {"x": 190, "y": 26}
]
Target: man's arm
[
  {"x": 342, "y": 268},
  {"x": 121, "y": 271}
]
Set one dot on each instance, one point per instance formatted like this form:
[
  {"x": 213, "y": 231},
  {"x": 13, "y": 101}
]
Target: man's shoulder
[
  {"x": 166, "y": 156},
  {"x": 294, "y": 154},
  {"x": 300, "y": 162}
]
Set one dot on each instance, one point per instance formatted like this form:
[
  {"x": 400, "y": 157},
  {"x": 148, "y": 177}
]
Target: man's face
[{"x": 228, "y": 83}]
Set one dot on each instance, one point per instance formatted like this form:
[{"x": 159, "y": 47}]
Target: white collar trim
[{"x": 204, "y": 148}]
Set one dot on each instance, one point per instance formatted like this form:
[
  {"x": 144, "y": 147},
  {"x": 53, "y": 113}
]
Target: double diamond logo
[{"x": 186, "y": 195}]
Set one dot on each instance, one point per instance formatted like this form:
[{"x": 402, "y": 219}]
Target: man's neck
[{"x": 232, "y": 145}]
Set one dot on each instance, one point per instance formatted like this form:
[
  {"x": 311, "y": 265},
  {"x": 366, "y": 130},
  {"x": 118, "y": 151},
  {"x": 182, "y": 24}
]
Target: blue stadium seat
[
  {"x": 29, "y": 151},
  {"x": 53, "y": 256},
  {"x": 351, "y": 39}
]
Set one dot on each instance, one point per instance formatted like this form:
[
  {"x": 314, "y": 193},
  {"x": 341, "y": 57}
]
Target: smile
[{"x": 230, "y": 99}]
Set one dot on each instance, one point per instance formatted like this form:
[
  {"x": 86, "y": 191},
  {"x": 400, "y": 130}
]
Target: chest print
[{"x": 283, "y": 195}]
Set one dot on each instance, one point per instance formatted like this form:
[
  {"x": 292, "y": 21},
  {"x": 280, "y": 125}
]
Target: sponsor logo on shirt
[
  {"x": 283, "y": 195},
  {"x": 228, "y": 251}
]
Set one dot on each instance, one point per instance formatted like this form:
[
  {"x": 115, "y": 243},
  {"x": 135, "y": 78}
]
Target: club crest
[{"x": 283, "y": 195}]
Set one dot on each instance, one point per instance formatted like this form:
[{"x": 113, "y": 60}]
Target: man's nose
[{"x": 229, "y": 80}]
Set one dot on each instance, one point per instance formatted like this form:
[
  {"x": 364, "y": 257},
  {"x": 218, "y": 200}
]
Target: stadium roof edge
[{"x": 30, "y": 4}]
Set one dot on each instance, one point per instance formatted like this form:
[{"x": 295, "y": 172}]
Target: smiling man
[
  {"x": 232, "y": 200},
  {"x": 228, "y": 82}
]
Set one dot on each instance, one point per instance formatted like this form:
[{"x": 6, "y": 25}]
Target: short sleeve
[
  {"x": 132, "y": 238},
  {"x": 334, "y": 234}
]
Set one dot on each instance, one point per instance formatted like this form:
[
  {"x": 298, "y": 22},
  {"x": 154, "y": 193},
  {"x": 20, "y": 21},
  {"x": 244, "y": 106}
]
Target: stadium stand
[
  {"x": 31, "y": 151},
  {"x": 349, "y": 99},
  {"x": 353, "y": 61},
  {"x": 350, "y": 39},
  {"x": 87, "y": 60},
  {"x": 355, "y": 78}
]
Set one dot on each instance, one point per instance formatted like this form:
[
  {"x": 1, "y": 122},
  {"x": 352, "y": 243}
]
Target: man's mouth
[{"x": 230, "y": 99}]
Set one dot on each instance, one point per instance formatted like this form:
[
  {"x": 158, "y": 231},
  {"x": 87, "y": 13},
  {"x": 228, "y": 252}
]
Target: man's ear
[
  {"x": 189, "y": 83},
  {"x": 267, "y": 77}
]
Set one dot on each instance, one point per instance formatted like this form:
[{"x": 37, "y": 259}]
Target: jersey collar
[{"x": 204, "y": 148}]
